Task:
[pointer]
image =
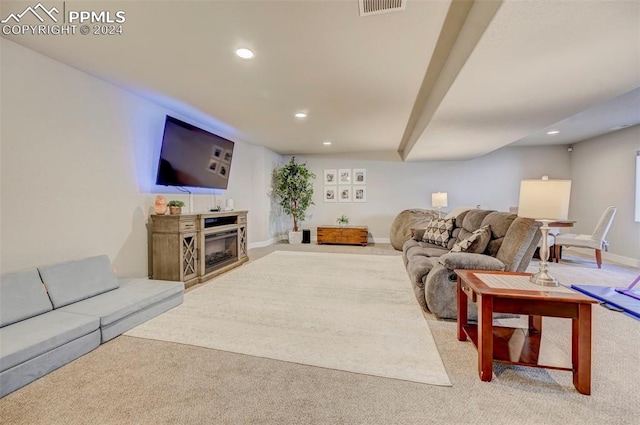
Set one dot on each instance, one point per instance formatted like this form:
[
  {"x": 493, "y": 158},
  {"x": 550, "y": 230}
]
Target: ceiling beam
[{"x": 464, "y": 25}]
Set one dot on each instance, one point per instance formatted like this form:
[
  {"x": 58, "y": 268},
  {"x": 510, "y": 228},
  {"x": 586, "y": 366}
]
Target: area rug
[{"x": 348, "y": 312}]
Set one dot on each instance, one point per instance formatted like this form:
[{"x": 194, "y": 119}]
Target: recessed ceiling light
[
  {"x": 301, "y": 115},
  {"x": 244, "y": 53},
  {"x": 326, "y": 143},
  {"x": 553, "y": 132}
]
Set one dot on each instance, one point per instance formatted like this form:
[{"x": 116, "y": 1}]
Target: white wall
[
  {"x": 603, "y": 173},
  {"x": 492, "y": 181},
  {"x": 78, "y": 166},
  {"x": 79, "y": 156}
]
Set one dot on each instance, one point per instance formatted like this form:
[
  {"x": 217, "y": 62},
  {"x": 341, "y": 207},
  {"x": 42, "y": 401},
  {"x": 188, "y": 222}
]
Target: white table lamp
[
  {"x": 545, "y": 201},
  {"x": 439, "y": 201}
]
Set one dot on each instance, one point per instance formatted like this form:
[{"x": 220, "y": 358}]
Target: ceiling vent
[{"x": 376, "y": 7}]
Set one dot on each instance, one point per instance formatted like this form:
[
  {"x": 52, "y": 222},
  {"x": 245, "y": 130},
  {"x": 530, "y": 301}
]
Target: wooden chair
[{"x": 595, "y": 241}]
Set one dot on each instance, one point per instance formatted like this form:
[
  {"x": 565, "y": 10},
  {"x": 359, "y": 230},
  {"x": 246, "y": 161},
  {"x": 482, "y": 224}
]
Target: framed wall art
[
  {"x": 330, "y": 194},
  {"x": 344, "y": 193},
  {"x": 330, "y": 176},
  {"x": 344, "y": 176},
  {"x": 359, "y": 176},
  {"x": 360, "y": 194}
]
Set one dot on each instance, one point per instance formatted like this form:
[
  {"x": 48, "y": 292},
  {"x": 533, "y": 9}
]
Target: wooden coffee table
[{"x": 492, "y": 294}]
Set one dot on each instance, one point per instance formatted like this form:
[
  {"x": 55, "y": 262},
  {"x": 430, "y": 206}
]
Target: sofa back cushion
[
  {"x": 500, "y": 222},
  {"x": 519, "y": 244},
  {"x": 22, "y": 295},
  {"x": 467, "y": 223},
  {"x": 475, "y": 243},
  {"x": 77, "y": 280}
]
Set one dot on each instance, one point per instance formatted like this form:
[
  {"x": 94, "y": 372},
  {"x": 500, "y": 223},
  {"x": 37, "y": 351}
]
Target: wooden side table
[
  {"x": 344, "y": 235},
  {"x": 522, "y": 346}
]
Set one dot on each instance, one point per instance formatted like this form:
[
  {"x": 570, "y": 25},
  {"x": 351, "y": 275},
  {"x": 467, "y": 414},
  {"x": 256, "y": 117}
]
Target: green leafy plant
[
  {"x": 343, "y": 220},
  {"x": 294, "y": 187},
  {"x": 175, "y": 204}
]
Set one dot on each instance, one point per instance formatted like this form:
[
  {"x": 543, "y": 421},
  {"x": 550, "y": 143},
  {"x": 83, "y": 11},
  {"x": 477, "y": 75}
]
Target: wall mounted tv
[{"x": 193, "y": 157}]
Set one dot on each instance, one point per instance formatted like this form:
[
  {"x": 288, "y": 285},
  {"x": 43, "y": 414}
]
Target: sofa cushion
[
  {"x": 439, "y": 231},
  {"x": 77, "y": 280},
  {"x": 132, "y": 296},
  {"x": 470, "y": 261},
  {"x": 476, "y": 242},
  {"x": 30, "y": 338},
  {"x": 424, "y": 249},
  {"x": 500, "y": 223},
  {"x": 519, "y": 243},
  {"x": 22, "y": 295}
]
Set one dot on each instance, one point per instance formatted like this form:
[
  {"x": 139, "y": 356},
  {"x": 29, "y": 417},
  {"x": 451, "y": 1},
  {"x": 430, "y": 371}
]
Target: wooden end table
[{"x": 522, "y": 346}]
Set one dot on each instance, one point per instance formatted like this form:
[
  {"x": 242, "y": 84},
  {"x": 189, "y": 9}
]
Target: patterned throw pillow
[
  {"x": 439, "y": 231},
  {"x": 476, "y": 242}
]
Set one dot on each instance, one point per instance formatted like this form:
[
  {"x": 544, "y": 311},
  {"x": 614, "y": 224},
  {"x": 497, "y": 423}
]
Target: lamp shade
[
  {"x": 544, "y": 199},
  {"x": 439, "y": 199}
]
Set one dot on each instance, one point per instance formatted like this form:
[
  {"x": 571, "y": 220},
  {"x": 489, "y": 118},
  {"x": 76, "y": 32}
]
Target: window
[{"x": 638, "y": 186}]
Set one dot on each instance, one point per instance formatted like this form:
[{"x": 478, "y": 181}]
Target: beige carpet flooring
[
  {"x": 138, "y": 381},
  {"x": 347, "y": 312}
]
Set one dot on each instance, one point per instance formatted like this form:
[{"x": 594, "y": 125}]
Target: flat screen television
[{"x": 193, "y": 157}]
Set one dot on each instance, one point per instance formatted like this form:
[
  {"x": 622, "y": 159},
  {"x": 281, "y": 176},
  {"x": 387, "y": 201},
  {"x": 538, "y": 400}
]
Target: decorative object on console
[
  {"x": 544, "y": 201},
  {"x": 160, "y": 205},
  {"x": 294, "y": 187},
  {"x": 175, "y": 207},
  {"x": 343, "y": 220},
  {"x": 229, "y": 205},
  {"x": 439, "y": 201},
  {"x": 438, "y": 231}
]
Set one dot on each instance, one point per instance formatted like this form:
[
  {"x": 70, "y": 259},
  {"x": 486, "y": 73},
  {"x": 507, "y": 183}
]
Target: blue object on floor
[{"x": 611, "y": 296}]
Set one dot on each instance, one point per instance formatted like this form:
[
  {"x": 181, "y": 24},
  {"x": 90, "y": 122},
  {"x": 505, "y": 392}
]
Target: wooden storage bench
[{"x": 344, "y": 235}]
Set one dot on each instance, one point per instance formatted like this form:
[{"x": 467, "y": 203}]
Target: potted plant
[
  {"x": 294, "y": 187},
  {"x": 343, "y": 220},
  {"x": 175, "y": 207}
]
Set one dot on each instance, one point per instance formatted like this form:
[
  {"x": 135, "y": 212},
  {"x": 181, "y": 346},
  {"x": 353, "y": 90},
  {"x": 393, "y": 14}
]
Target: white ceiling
[{"x": 502, "y": 73}]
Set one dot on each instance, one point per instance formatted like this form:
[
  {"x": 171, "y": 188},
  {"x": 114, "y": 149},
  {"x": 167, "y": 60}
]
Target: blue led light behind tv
[{"x": 193, "y": 157}]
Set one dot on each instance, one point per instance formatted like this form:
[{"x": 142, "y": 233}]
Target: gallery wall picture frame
[
  {"x": 360, "y": 194},
  {"x": 217, "y": 152},
  {"x": 226, "y": 155},
  {"x": 213, "y": 166},
  {"x": 344, "y": 176},
  {"x": 223, "y": 171},
  {"x": 330, "y": 176},
  {"x": 344, "y": 193},
  {"x": 359, "y": 176},
  {"x": 330, "y": 194}
]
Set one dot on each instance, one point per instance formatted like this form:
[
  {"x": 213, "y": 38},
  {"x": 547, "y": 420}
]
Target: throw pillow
[
  {"x": 476, "y": 242},
  {"x": 438, "y": 231}
]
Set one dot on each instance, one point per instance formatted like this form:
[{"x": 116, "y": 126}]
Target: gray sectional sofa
[
  {"x": 510, "y": 245},
  {"x": 52, "y": 315}
]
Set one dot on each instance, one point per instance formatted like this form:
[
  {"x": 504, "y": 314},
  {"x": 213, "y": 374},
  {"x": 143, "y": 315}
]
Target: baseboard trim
[
  {"x": 262, "y": 244},
  {"x": 627, "y": 261}
]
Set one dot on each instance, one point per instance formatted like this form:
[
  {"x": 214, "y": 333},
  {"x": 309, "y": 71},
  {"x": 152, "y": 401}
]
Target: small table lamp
[
  {"x": 545, "y": 201},
  {"x": 439, "y": 201}
]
